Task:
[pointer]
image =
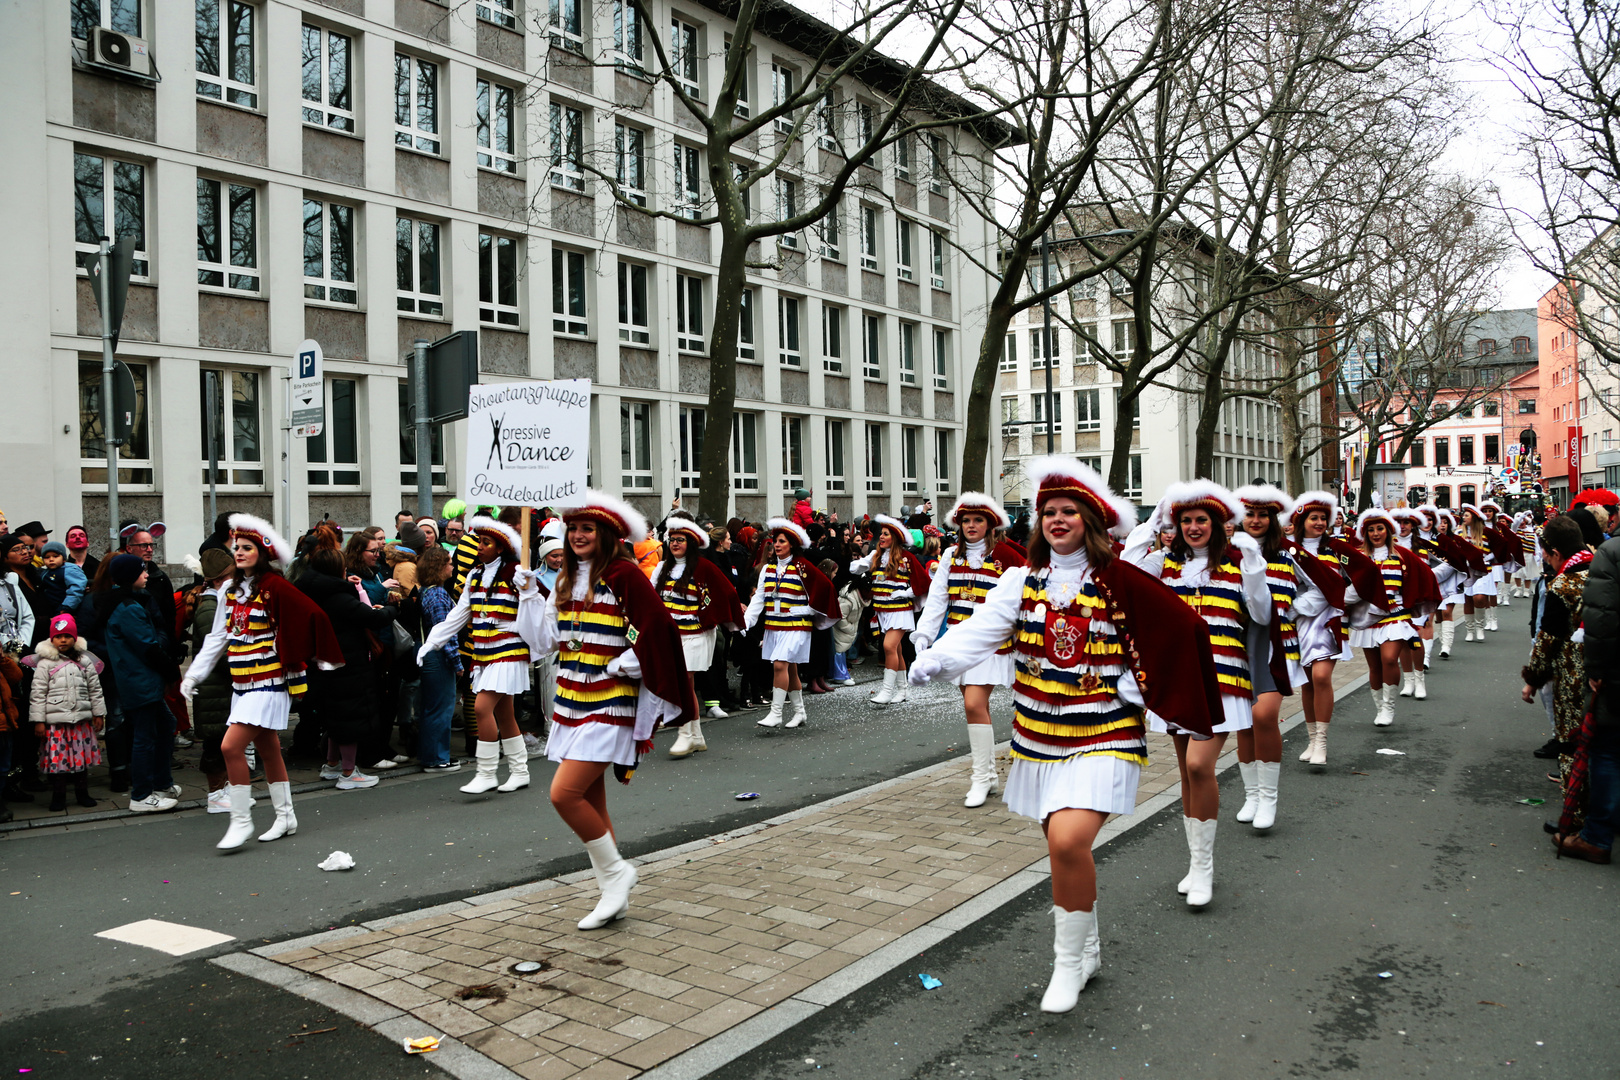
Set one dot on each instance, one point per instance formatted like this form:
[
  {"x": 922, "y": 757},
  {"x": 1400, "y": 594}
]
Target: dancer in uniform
[
  {"x": 1224, "y": 581},
  {"x": 1504, "y": 547},
  {"x": 702, "y": 603},
  {"x": 968, "y": 570},
  {"x": 1381, "y": 623},
  {"x": 1414, "y": 657},
  {"x": 1479, "y": 607},
  {"x": 793, "y": 598},
  {"x": 1321, "y": 633},
  {"x": 1524, "y": 527},
  {"x": 1096, "y": 642},
  {"x": 899, "y": 586},
  {"x": 269, "y": 633},
  {"x": 1450, "y": 571}
]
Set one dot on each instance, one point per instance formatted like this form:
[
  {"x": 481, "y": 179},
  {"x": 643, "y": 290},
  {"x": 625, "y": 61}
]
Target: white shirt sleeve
[
  {"x": 863, "y": 564},
  {"x": 931, "y": 621},
  {"x": 1256, "y": 593},
  {"x": 531, "y": 620},
  {"x": 1308, "y": 599},
  {"x": 208, "y": 653},
  {"x": 975, "y": 639},
  {"x": 1138, "y": 543}
]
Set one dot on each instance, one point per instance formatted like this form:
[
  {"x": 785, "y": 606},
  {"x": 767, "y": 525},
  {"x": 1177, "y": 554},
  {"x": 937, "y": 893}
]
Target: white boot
[
  {"x": 795, "y": 698},
  {"x": 241, "y": 826},
  {"x": 1251, "y": 793},
  {"x": 901, "y": 685},
  {"x": 886, "y": 695},
  {"x": 516, "y": 752},
  {"x": 1419, "y": 689},
  {"x": 1386, "y": 707},
  {"x": 1267, "y": 771},
  {"x": 1319, "y": 745},
  {"x": 1490, "y": 622},
  {"x": 1201, "y": 841},
  {"x": 1448, "y": 633},
  {"x": 1504, "y": 594},
  {"x": 1076, "y": 955},
  {"x": 488, "y": 756},
  {"x": 982, "y": 742},
  {"x": 1185, "y": 883},
  {"x": 688, "y": 740},
  {"x": 774, "y": 717},
  {"x": 1407, "y": 682},
  {"x": 1310, "y": 744},
  {"x": 286, "y": 823},
  {"x": 617, "y": 878}
]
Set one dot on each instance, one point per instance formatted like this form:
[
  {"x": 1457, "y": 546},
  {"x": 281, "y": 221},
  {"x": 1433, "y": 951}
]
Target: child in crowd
[
  {"x": 68, "y": 709},
  {"x": 62, "y": 581}
]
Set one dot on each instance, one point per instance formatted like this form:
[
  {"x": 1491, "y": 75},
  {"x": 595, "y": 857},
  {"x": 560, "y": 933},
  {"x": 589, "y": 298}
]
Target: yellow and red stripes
[
  {"x": 586, "y": 693},
  {"x": 1220, "y": 604}
]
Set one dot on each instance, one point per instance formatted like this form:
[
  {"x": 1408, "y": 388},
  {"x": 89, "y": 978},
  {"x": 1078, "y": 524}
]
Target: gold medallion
[
  {"x": 1089, "y": 683},
  {"x": 575, "y": 644},
  {"x": 1033, "y": 667},
  {"x": 1085, "y": 611}
]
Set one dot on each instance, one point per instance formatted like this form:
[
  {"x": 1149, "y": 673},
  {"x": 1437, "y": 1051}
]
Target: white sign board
[
  {"x": 308, "y": 391},
  {"x": 527, "y": 443}
]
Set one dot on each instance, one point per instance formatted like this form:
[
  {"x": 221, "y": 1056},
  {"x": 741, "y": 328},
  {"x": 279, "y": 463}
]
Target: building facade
[
  {"x": 368, "y": 173},
  {"x": 1578, "y": 429}
]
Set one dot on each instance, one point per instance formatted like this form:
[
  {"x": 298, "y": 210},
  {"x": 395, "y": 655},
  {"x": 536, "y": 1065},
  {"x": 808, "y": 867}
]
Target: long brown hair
[
  {"x": 661, "y": 578},
  {"x": 265, "y": 565},
  {"x": 1181, "y": 551},
  {"x": 1099, "y": 550},
  {"x": 433, "y": 567},
  {"x": 1272, "y": 542},
  {"x": 608, "y": 549},
  {"x": 767, "y": 548}
]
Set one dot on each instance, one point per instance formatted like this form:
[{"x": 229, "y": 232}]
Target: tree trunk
[
  {"x": 1288, "y": 398},
  {"x": 1119, "y": 463},
  {"x": 982, "y": 398},
  {"x": 714, "y": 485},
  {"x": 1209, "y": 416}
]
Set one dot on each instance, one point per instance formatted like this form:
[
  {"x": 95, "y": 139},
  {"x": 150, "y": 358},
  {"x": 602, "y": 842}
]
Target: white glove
[
  {"x": 188, "y": 688},
  {"x": 922, "y": 669},
  {"x": 920, "y": 640},
  {"x": 1245, "y": 543},
  {"x": 422, "y": 655},
  {"x": 625, "y": 664},
  {"x": 523, "y": 579}
]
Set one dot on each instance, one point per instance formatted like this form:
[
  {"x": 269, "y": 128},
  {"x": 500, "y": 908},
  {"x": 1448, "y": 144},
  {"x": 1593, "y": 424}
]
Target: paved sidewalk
[{"x": 783, "y": 916}]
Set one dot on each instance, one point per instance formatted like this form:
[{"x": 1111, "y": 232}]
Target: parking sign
[{"x": 308, "y": 392}]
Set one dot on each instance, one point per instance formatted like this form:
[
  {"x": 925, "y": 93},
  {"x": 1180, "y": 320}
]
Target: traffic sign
[{"x": 308, "y": 391}]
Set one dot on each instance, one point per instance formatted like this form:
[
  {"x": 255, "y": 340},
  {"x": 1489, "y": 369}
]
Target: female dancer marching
[
  {"x": 269, "y": 633},
  {"x": 1274, "y": 667},
  {"x": 967, "y": 572},
  {"x": 1481, "y": 591},
  {"x": 1414, "y": 659},
  {"x": 621, "y": 674},
  {"x": 794, "y": 598},
  {"x": 503, "y": 603},
  {"x": 1096, "y": 642},
  {"x": 899, "y": 585},
  {"x": 1331, "y": 564},
  {"x": 1224, "y": 581},
  {"x": 1381, "y": 624},
  {"x": 701, "y": 601},
  {"x": 1505, "y": 549},
  {"x": 1524, "y": 527},
  {"x": 1449, "y": 573}
]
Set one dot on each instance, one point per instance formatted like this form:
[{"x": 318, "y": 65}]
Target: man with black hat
[{"x": 36, "y": 535}]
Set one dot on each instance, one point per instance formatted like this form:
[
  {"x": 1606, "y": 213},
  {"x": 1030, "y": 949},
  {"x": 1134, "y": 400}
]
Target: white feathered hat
[
  {"x": 1325, "y": 501},
  {"x": 781, "y": 524},
  {"x": 1271, "y": 498},
  {"x": 1492, "y": 503},
  {"x": 1202, "y": 495},
  {"x": 615, "y": 513},
  {"x": 1376, "y": 513},
  {"x": 264, "y": 534},
  {"x": 884, "y": 521},
  {"x": 1443, "y": 512},
  {"x": 1060, "y": 474},
  {"x": 977, "y": 502},
  {"x": 498, "y": 530},
  {"x": 1408, "y": 513},
  {"x": 682, "y": 523}
]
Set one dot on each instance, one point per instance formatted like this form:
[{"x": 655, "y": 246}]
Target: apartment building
[{"x": 368, "y": 173}]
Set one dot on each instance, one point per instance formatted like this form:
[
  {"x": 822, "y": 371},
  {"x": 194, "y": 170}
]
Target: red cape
[
  {"x": 658, "y": 642},
  {"x": 1168, "y": 643},
  {"x": 1419, "y": 589},
  {"x": 918, "y": 575},
  {"x": 1007, "y": 555},
  {"x": 1456, "y": 552},
  {"x": 1023, "y": 552},
  {"x": 823, "y": 597},
  {"x": 717, "y": 597},
  {"x": 1510, "y": 539},
  {"x": 1324, "y": 573},
  {"x": 1362, "y": 571},
  {"x": 304, "y": 634}
]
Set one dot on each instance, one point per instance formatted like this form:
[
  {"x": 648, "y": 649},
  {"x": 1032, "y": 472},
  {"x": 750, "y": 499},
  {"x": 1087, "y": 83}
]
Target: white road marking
[{"x": 172, "y": 938}]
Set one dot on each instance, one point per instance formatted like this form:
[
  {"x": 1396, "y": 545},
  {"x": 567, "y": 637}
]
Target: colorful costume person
[
  {"x": 793, "y": 598},
  {"x": 1383, "y": 617},
  {"x": 899, "y": 586},
  {"x": 702, "y": 601}
]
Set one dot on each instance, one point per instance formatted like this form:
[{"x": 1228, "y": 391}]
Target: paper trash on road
[
  {"x": 422, "y": 1045},
  {"x": 338, "y": 860},
  {"x": 1385, "y": 974},
  {"x": 745, "y": 796},
  {"x": 929, "y": 982},
  {"x": 1392, "y": 753},
  {"x": 1534, "y": 802}
]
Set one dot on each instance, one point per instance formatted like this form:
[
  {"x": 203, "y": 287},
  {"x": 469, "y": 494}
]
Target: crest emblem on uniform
[{"x": 239, "y": 619}]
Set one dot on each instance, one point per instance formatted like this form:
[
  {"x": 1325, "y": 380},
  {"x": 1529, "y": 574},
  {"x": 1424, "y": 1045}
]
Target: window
[
  {"x": 329, "y": 256},
  {"x": 1133, "y": 485},
  {"x": 1442, "y": 453},
  {"x": 1092, "y": 463},
  {"x": 1009, "y": 354},
  {"x": 109, "y": 199},
  {"x": 1465, "y": 449},
  {"x": 498, "y": 265},
  {"x": 1486, "y": 347},
  {"x": 942, "y": 461},
  {"x": 827, "y": 122},
  {"x": 686, "y": 180},
  {"x": 745, "y": 326},
  {"x": 936, "y": 164},
  {"x": 1088, "y": 410},
  {"x": 874, "y": 457},
  {"x": 1493, "y": 449},
  {"x": 416, "y": 104},
  {"x": 829, "y": 233},
  {"x": 226, "y": 65},
  {"x": 568, "y": 292},
  {"x": 942, "y": 358},
  {"x": 869, "y": 238},
  {"x": 902, "y": 157},
  {"x": 630, "y": 163},
  {"x": 908, "y": 353},
  {"x": 497, "y": 126},
  {"x": 499, "y": 12},
  {"x": 1442, "y": 495},
  {"x": 235, "y": 406},
  {"x": 327, "y": 100},
  {"x": 865, "y": 123},
  {"x": 227, "y": 235},
  {"x": 684, "y": 56},
  {"x": 936, "y": 259},
  {"x": 407, "y": 445},
  {"x": 135, "y": 455},
  {"x": 566, "y": 27},
  {"x": 787, "y": 206},
  {"x": 1467, "y": 492},
  {"x": 567, "y": 147},
  {"x": 635, "y": 444},
  {"x": 123, "y": 16},
  {"x": 871, "y": 346},
  {"x": 781, "y": 94},
  {"x": 627, "y": 39},
  {"x": 792, "y": 453},
  {"x": 787, "y": 332},
  {"x": 1124, "y": 341},
  {"x": 1052, "y": 350},
  {"x": 416, "y": 263},
  {"x": 1136, "y": 407},
  {"x": 334, "y": 454},
  {"x": 744, "y": 451},
  {"x": 1038, "y": 408},
  {"x": 635, "y": 320},
  {"x": 1521, "y": 346},
  {"x": 905, "y": 237},
  {"x": 1420, "y": 449},
  {"x": 908, "y": 460},
  {"x": 834, "y": 433},
  {"x": 741, "y": 108},
  {"x": 689, "y": 313},
  {"x": 1010, "y": 417},
  {"x": 691, "y": 448},
  {"x": 1527, "y": 405},
  {"x": 1466, "y": 414},
  {"x": 1492, "y": 408}
]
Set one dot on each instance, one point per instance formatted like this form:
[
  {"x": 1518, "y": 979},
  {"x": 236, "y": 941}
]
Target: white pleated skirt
[
  {"x": 1377, "y": 635},
  {"x": 1037, "y": 789},
  {"x": 1237, "y": 715},
  {"x": 592, "y": 741},
  {"x": 996, "y": 671},
  {"x": 897, "y": 620},
  {"x": 1454, "y": 598},
  {"x": 792, "y": 646},
  {"x": 1297, "y": 675},
  {"x": 271, "y": 709},
  {"x": 506, "y": 677},
  {"x": 699, "y": 650},
  {"x": 1318, "y": 639}
]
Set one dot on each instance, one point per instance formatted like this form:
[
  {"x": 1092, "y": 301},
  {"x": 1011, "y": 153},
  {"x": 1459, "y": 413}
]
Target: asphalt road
[{"x": 1501, "y": 960}]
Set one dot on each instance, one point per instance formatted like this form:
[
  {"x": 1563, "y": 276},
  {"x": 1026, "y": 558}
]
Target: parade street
[{"x": 1405, "y": 917}]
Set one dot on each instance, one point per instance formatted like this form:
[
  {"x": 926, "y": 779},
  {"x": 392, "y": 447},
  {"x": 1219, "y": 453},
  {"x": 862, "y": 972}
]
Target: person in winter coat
[
  {"x": 803, "y": 513},
  {"x": 61, "y": 580},
  {"x": 1600, "y": 734},
  {"x": 852, "y": 608},
  {"x": 11, "y": 674},
  {"x": 211, "y": 705},
  {"x": 67, "y": 708},
  {"x": 143, "y": 669}
]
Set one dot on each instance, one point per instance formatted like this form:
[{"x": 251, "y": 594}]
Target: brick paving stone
[{"x": 550, "y": 1067}]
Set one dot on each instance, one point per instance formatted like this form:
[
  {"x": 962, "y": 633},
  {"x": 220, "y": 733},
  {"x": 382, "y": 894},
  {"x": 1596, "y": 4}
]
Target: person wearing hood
[
  {"x": 143, "y": 668},
  {"x": 68, "y": 710}
]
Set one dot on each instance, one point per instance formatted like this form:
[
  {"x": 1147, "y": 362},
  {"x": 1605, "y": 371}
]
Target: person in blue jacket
[{"x": 143, "y": 668}]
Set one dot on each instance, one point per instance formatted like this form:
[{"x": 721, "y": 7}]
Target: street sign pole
[
  {"x": 306, "y": 405},
  {"x": 109, "y": 406},
  {"x": 424, "y": 452},
  {"x": 211, "y": 381}
]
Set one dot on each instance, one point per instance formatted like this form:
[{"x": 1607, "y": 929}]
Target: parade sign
[{"x": 527, "y": 443}]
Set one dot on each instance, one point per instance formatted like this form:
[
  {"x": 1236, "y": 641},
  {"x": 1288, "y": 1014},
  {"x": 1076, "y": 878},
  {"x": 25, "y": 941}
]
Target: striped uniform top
[
  {"x": 885, "y": 583},
  {"x": 683, "y": 602},
  {"x": 966, "y": 589},
  {"x": 1219, "y": 602},
  {"x": 1071, "y": 708},
  {"x": 1527, "y": 536},
  {"x": 493, "y": 636},
  {"x": 1283, "y": 581},
  {"x": 250, "y": 649},
  {"x": 787, "y": 602},
  {"x": 586, "y": 693},
  {"x": 1394, "y": 579}
]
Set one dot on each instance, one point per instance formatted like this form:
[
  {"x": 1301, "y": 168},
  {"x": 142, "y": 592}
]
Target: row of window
[
  {"x": 1418, "y": 457},
  {"x": 1133, "y": 472},
  {"x": 1087, "y": 410}
]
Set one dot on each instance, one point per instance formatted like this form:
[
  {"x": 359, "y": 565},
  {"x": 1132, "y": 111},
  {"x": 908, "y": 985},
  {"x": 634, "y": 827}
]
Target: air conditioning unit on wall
[{"x": 109, "y": 48}]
